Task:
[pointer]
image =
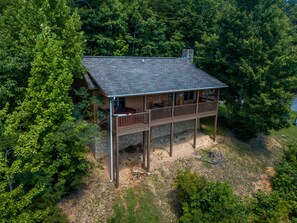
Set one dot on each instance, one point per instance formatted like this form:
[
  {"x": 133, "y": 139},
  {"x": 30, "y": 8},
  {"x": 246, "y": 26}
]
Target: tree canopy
[
  {"x": 42, "y": 146},
  {"x": 252, "y": 50}
]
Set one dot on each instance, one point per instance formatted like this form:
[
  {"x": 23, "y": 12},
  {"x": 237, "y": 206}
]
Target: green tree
[
  {"x": 203, "y": 201},
  {"x": 285, "y": 180},
  {"x": 105, "y": 26},
  {"x": 190, "y": 18},
  {"x": 252, "y": 51},
  {"x": 20, "y": 24},
  {"x": 42, "y": 147},
  {"x": 268, "y": 208},
  {"x": 147, "y": 32}
]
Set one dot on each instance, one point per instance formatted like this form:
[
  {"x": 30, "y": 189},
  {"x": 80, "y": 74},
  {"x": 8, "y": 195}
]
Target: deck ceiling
[{"x": 128, "y": 76}]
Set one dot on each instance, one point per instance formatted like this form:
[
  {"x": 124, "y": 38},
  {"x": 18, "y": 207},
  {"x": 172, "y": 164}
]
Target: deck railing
[
  {"x": 133, "y": 119},
  {"x": 161, "y": 113},
  {"x": 207, "y": 106},
  {"x": 188, "y": 109}
]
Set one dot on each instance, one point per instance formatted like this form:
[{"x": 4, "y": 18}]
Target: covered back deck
[
  {"x": 166, "y": 109},
  {"x": 202, "y": 104}
]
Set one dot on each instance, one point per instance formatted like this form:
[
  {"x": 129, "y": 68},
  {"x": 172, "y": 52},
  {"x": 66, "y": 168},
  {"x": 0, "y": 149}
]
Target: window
[
  {"x": 120, "y": 103},
  {"x": 170, "y": 98},
  {"x": 188, "y": 95}
]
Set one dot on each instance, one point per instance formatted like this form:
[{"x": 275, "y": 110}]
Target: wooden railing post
[
  {"x": 171, "y": 126},
  {"x": 197, "y": 102},
  {"x": 216, "y": 116},
  {"x": 173, "y": 103},
  {"x": 144, "y": 103},
  {"x": 116, "y": 123}
]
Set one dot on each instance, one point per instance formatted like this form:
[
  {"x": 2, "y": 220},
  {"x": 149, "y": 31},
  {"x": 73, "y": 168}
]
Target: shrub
[
  {"x": 285, "y": 180},
  {"x": 204, "y": 201},
  {"x": 268, "y": 208}
]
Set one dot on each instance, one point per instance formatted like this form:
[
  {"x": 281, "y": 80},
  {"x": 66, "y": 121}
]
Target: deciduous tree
[
  {"x": 42, "y": 147},
  {"x": 252, "y": 51}
]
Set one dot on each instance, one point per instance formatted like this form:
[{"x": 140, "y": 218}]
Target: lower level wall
[{"x": 102, "y": 143}]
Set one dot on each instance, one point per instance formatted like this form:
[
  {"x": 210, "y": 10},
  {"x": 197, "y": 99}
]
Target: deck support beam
[
  {"x": 215, "y": 127},
  {"x": 216, "y": 116},
  {"x": 114, "y": 155},
  {"x": 196, "y": 120},
  {"x": 111, "y": 112},
  {"x": 171, "y": 139},
  {"x": 148, "y": 147},
  {"x": 117, "y": 163},
  {"x": 117, "y": 153},
  {"x": 144, "y": 137},
  {"x": 195, "y": 133},
  {"x": 171, "y": 125}
]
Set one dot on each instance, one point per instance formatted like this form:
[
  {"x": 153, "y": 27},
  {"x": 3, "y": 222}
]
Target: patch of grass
[
  {"x": 136, "y": 205},
  {"x": 207, "y": 124},
  {"x": 243, "y": 164},
  {"x": 287, "y": 135}
]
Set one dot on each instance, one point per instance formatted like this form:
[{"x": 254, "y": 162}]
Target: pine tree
[
  {"x": 105, "y": 26},
  {"x": 42, "y": 147},
  {"x": 252, "y": 51}
]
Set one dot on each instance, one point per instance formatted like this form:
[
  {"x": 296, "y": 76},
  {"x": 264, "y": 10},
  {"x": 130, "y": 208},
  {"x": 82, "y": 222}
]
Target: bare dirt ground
[{"x": 247, "y": 167}]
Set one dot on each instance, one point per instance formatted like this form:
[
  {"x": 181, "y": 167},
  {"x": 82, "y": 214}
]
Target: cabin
[{"x": 142, "y": 93}]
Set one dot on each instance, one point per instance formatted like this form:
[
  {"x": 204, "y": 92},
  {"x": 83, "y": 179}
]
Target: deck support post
[
  {"x": 195, "y": 133},
  {"x": 144, "y": 137},
  {"x": 148, "y": 151},
  {"x": 117, "y": 163},
  {"x": 196, "y": 119},
  {"x": 111, "y": 103},
  {"x": 117, "y": 153},
  {"x": 216, "y": 116},
  {"x": 171, "y": 125},
  {"x": 215, "y": 127},
  {"x": 114, "y": 155},
  {"x": 171, "y": 139}
]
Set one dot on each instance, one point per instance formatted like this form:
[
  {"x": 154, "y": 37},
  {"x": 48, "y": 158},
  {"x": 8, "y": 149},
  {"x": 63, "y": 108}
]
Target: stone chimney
[{"x": 188, "y": 54}]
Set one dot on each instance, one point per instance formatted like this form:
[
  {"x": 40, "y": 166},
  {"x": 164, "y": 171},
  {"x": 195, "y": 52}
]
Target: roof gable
[{"x": 127, "y": 76}]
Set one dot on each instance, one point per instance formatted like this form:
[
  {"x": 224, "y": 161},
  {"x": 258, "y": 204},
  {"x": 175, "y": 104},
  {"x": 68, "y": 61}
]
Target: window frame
[
  {"x": 189, "y": 96},
  {"x": 120, "y": 102}
]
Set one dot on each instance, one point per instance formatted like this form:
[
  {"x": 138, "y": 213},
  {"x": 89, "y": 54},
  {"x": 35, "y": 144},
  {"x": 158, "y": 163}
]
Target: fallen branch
[
  {"x": 138, "y": 173},
  {"x": 217, "y": 159}
]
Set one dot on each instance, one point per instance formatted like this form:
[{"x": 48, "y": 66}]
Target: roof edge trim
[{"x": 164, "y": 92}]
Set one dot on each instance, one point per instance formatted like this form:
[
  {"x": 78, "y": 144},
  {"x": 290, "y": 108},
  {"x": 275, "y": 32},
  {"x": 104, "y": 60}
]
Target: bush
[
  {"x": 268, "y": 208},
  {"x": 285, "y": 180},
  {"x": 204, "y": 201}
]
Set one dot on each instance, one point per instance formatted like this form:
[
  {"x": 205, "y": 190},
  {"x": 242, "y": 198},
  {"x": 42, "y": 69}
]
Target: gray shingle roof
[{"x": 127, "y": 76}]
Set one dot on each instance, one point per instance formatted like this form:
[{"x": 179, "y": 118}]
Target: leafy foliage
[
  {"x": 203, "y": 201},
  {"x": 105, "y": 26},
  {"x": 252, "y": 51},
  {"x": 280, "y": 205},
  {"x": 268, "y": 208},
  {"x": 42, "y": 147},
  {"x": 285, "y": 180}
]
